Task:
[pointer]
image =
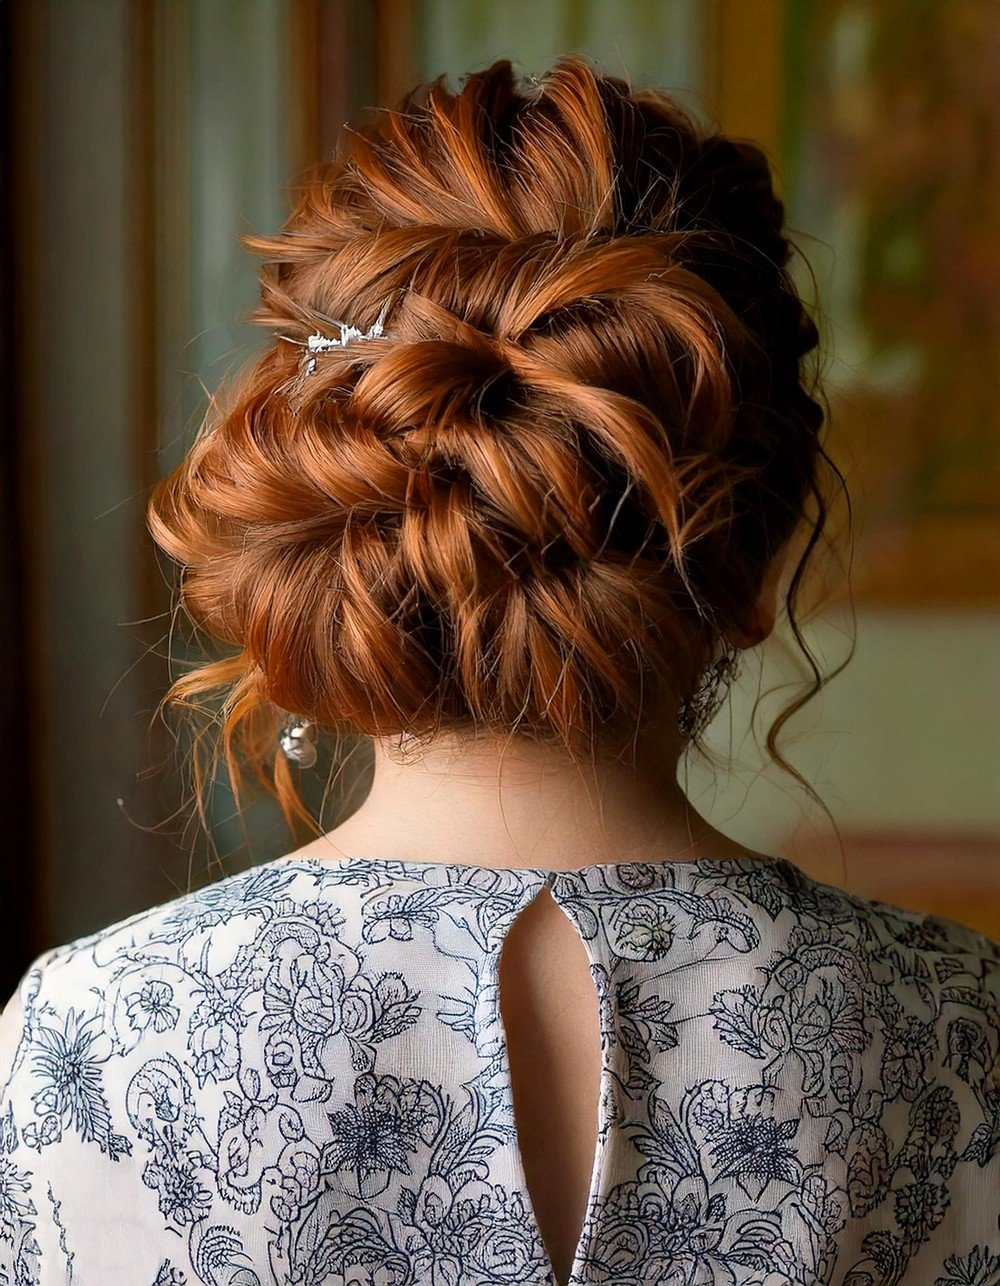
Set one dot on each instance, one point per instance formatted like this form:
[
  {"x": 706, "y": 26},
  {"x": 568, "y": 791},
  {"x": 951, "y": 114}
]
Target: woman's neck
[{"x": 512, "y": 803}]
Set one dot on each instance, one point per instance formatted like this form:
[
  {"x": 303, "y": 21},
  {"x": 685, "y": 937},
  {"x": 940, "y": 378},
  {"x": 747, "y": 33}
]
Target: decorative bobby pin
[{"x": 320, "y": 343}]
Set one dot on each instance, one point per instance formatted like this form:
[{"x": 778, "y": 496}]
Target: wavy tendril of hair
[{"x": 546, "y": 494}]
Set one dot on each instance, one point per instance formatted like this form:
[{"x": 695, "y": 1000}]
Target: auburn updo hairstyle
[{"x": 545, "y": 494}]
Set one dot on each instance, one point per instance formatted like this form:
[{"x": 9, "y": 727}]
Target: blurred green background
[{"x": 143, "y": 136}]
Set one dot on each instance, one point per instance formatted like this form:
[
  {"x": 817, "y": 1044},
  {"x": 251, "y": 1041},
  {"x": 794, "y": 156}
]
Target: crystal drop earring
[
  {"x": 298, "y": 741},
  {"x": 698, "y": 710}
]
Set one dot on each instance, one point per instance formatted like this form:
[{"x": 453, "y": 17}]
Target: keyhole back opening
[{"x": 550, "y": 1014}]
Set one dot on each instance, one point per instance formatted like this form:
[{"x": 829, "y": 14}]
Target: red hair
[{"x": 553, "y": 486}]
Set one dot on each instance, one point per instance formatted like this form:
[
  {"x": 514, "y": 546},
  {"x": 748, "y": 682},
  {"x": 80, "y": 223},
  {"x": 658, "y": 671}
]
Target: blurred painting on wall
[{"x": 894, "y": 161}]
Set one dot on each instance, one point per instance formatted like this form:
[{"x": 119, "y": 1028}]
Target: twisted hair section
[{"x": 549, "y": 489}]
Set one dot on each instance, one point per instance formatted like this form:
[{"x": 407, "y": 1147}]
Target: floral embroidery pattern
[{"x": 298, "y": 1075}]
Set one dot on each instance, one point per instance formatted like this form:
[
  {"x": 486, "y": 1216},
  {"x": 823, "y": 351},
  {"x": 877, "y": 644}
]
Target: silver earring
[
  {"x": 298, "y": 741},
  {"x": 698, "y": 710}
]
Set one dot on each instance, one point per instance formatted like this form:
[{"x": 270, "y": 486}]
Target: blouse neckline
[{"x": 546, "y": 873}]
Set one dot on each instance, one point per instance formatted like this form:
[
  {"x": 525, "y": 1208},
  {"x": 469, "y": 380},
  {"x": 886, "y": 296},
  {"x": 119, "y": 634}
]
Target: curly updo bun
[{"x": 550, "y": 488}]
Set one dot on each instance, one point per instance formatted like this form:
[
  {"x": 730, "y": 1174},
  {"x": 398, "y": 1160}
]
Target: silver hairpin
[{"x": 320, "y": 343}]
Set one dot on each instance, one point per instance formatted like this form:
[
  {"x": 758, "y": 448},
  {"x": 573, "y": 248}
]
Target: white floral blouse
[{"x": 298, "y": 1075}]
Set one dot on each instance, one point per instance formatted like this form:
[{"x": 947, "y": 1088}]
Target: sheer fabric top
[{"x": 299, "y": 1075}]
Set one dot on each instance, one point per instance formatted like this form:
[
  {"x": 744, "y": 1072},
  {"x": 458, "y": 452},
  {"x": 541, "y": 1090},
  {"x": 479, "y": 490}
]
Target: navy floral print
[{"x": 298, "y": 1075}]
